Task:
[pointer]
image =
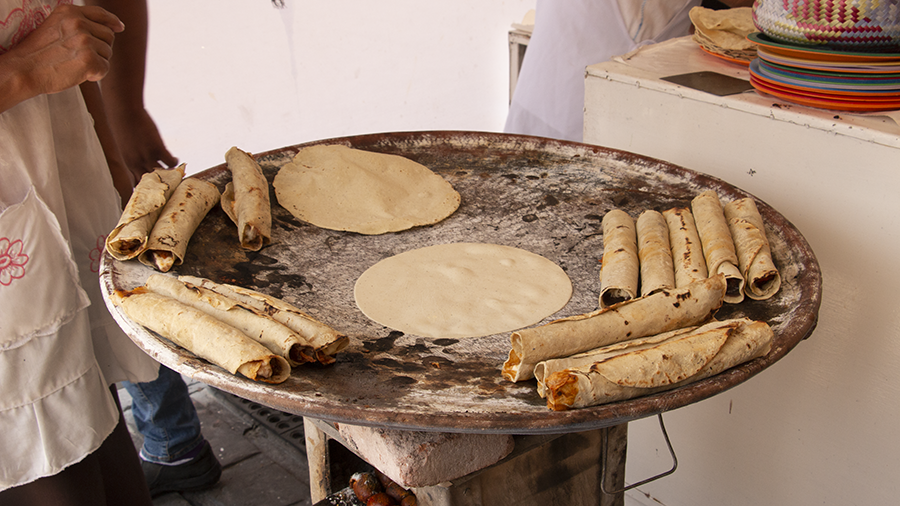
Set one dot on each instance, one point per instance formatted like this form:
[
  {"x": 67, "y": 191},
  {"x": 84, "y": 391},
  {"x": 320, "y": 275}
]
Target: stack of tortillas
[{"x": 724, "y": 32}]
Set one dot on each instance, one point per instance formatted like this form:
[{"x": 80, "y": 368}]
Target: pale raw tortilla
[
  {"x": 645, "y": 368},
  {"x": 462, "y": 290},
  {"x": 340, "y": 188},
  {"x": 619, "y": 268},
  {"x": 718, "y": 246},
  {"x": 129, "y": 238},
  {"x": 687, "y": 251},
  {"x": 645, "y": 316},
  {"x": 246, "y": 200},
  {"x": 654, "y": 253},
  {"x": 762, "y": 279}
]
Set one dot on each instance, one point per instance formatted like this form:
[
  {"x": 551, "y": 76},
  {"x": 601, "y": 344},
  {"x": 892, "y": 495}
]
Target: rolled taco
[
  {"x": 687, "y": 251},
  {"x": 762, "y": 279},
  {"x": 619, "y": 268},
  {"x": 262, "y": 329},
  {"x": 645, "y": 316},
  {"x": 654, "y": 253},
  {"x": 246, "y": 200},
  {"x": 129, "y": 238},
  {"x": 184, "y": 211},
  {"x": 326, "y": 341},
  {"x": 718, "y": 246},
  {"x": 203, "y": 335},
  {"x": 643, "y": 367}
]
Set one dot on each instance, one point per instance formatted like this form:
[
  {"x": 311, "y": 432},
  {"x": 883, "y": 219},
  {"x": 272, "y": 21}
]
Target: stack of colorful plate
[{"x": 826, "y": 78}]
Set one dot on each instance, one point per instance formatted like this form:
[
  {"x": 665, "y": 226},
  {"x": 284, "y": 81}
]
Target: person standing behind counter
[
  {"x": 568, "y": 36},
  {"x": 64, "y": 440}
]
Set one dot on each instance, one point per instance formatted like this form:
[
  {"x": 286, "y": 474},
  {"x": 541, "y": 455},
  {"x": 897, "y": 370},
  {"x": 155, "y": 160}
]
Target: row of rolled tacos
[
  {"x": 678, "y": 246},
  {"x": 165, "y": 209},
  {"x": 634, "y": 348},
  {"x": 238, "y": 329},
  {"x": 663, "y": 278},
  {"x": 241, "y": 330}
]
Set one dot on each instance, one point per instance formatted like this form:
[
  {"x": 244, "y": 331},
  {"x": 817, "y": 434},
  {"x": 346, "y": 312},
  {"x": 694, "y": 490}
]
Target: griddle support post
[{"x": 605, "y": 458}]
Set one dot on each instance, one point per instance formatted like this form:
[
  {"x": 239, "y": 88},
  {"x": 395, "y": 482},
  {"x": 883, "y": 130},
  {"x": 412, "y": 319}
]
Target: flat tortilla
[
  {"x": 340, "y": 188},
  {"x": 184, "y": 211},
  {"x": 654, "y": 253},
  {"x": 679, "y": 359},
  {"x": 762, "y": 279},
  {"x": 129, "y": 238},
  {"x": 246, "y": 200},
  {"x": 462, "y": 290},
  {"x": 687, "y": 250},
  {"x": 619, "y": 268},
  {"x": 718, "y": 246},
  {"x": 266, "y": 331},
  {"x": 203, "y": 335},
  {"x": 645, "y": 316},
  {"x": 326, "y": 341}
]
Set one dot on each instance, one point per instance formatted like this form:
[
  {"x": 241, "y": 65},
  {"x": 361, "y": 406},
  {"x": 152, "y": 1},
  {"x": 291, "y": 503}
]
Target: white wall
[{"x": 241, "y": 72}]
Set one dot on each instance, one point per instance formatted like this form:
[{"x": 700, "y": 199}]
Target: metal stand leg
[{"x": 617, "y": 488}]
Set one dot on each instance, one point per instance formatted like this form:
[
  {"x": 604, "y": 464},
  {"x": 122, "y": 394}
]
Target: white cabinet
[{"x": 820, "y": 426}]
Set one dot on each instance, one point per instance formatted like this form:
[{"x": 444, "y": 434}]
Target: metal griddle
[{"x": 544, "y": 196}]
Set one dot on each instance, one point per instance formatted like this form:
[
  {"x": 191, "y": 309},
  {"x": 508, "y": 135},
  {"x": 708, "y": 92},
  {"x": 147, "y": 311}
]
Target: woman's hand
[{"x": 71, "y": 46}]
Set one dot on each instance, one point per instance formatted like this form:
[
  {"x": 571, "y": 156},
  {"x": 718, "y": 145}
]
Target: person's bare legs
[{"x": 111, "y": 476}]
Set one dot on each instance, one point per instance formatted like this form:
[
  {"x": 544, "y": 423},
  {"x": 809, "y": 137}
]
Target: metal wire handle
[{"x": 662, "y": 426}]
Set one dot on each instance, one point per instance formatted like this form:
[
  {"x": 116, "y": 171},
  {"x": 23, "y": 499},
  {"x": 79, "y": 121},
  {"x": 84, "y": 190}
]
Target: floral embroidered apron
[{"x": 59, "y": 347}]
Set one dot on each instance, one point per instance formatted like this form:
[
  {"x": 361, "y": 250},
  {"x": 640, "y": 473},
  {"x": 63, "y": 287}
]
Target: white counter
[{"x": 820, "y": 426}]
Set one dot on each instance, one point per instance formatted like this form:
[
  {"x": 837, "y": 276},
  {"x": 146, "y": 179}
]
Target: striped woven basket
[{"x": 850, "y": 25}]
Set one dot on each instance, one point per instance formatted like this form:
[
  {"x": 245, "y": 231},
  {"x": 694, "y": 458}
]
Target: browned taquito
[
  {"x": 762, "y": 279},
  {"x": 547, "y": 368},
  {"x": 654, "y": 253},
  {"x": 718, "y": 246},
  {"x": 645, "y": 316},
  {"x": 619, "y": 267},
  {"x": 202, "y": 335},
  {"x": 246, "y": 200},
  {"x": 129, "y": 238},
  {"x": 644, "y": 369},
  {"x": 184, "y": 211},
  {"x": 273, "y": 335},
  {"x": 687, "y": 250},
  {"x": 326, "y": 341}
]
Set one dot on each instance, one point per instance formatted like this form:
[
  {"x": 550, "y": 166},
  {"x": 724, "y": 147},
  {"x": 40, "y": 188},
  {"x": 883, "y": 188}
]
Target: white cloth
[
  {"x": 568, "y": 36},
  {"x": 57, "y": 355}
]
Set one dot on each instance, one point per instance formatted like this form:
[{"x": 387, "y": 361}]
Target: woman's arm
[
  {"x": 123, "y": 179},
  {"x": 138, "y": 138}
]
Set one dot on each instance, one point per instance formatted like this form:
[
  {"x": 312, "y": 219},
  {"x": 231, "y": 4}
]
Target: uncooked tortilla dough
[
  {"x": 340, "y": 188},
  {"x": 462, "y": 290}
]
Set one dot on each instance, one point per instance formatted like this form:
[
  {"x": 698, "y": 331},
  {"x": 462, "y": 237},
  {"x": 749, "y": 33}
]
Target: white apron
[
  {"x": 568, "y": 36},
  {"x": 59, "y": 347}
]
